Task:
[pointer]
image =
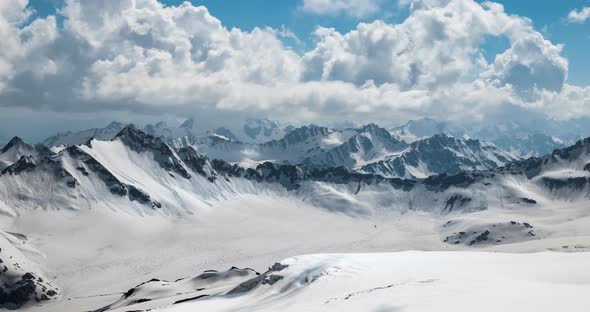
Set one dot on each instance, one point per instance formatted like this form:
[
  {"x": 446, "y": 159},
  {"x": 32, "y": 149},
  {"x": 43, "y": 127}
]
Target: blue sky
[{"x": 548, "y": 16}]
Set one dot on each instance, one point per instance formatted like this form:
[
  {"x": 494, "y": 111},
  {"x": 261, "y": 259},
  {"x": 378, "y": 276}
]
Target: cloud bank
[{"x": 142, "y": 56}]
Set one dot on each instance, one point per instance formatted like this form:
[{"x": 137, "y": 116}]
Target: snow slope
[
  {"x": 407, "y": 281},
  {"x": 15, "y": 149},
  {"x": 21, "y": 279}
]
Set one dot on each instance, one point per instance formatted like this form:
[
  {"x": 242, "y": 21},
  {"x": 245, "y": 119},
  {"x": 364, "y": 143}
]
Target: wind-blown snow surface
[
  {"x": 96, "y": 256},
  {"x": 108, "y": 216},
  {"x": 411, "y": 281}
]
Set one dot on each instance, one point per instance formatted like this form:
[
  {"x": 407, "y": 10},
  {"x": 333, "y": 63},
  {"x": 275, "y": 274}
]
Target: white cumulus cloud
[
  {"x": 144, "y": 57},
  {"x": 579, "y": 16}
]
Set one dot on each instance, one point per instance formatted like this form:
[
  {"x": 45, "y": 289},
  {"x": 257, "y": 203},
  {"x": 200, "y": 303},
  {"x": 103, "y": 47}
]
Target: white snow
[
  {"x": 14, "y": 153},
  {"x": 417, "y": 281}
]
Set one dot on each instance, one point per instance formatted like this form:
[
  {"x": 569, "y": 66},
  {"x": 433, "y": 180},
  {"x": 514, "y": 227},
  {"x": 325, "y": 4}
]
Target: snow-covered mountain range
[
  {"x": 145, "y": 171},
  {"x": 523, "y": 138},
  {"x": 258, "y": 140},
  {"x": 355, "y": 190},
  {"x": 368, "y": 148},
  {"x": 438, "y": 154}
]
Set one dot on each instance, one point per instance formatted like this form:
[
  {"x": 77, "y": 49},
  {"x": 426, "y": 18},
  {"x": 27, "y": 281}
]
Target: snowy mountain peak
[
  {"x": 15, "y": 141},
  {"x": 140, "y": 141},
  {"x": 130, "y": 131},
  {"x": 375, "y": 129},
  {"x": 115, "y": 125},
  {"x": 370, "y": 143},
  {"x": 305, "y": 132},
  {"x": 14, "y": 150},
  {"x": 440, "y": 154}
]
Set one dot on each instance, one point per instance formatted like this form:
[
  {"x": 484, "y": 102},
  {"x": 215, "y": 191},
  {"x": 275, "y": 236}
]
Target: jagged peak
[
  {"x": 305, "y": 132},
  {"x": 24, "y": 163},
  {"x": 374, "y": 129},
  {"x": 15, "y": 141},
  {"x": 581, "y": 146},
  {"x": 140, "y": 141},
  {"x": 134, "y": 137},
  {"x": 309, "y": 128},
  {"x": 130, "y": 129},
  {"x": 445, "y": 138}
]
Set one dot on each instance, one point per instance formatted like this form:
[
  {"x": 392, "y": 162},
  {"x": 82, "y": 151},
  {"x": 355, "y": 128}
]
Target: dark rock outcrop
[{"x": 139, "y": 141}]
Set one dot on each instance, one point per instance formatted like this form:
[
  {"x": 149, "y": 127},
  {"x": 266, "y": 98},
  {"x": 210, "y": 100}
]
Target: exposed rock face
[
  {"x": 12, "y": 143},
  {"x": 456, "y": 201},
  {"x": 197, "y": 162},
  {"x": 573, "y": 184},
  {"x": 489, "y": 234},
  {"x": 156, "y": 292},
  {"x": 443, "y": 181},
  {"x": 300, "y": 135},
  {"x": 370, "y": 142},
  {"x": 269, "y": 277},
  {"x": 140, "y": 142},
  {"x": 142, "y": 197},
  {"x": 533, "y": 166},
  {"x": 25, "y": 163},
  {"x": 208, "y": 284},
  {"x": 90, "y": 164},
  {"x": 15, "y": 149},
  {"x": 86, "y": 165},
  {"x": 441, "y": 154},
  {"x": 20, "y": 282},
  {"x": 448, "y": 189},
  {"x": 47, "y": 164},
  {"x": 529, "y": 201}
]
